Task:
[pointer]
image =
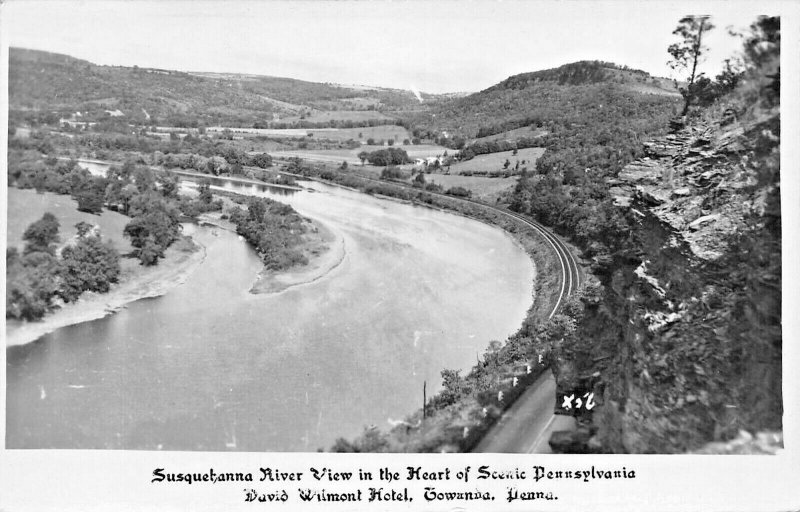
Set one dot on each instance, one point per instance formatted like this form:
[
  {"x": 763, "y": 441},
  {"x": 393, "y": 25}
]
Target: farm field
[
  {"x": 485, "y": 189},
  {"x": 495, "y": 161},
  {"x": 351, "y": 155},
  {"x": 322, "y": 155},
  {"x": 381, "y": 132},
  {"x": 28, "y": 206},
  {"x": 321, "y": 116},
  {"x": 517, "y": 133}
]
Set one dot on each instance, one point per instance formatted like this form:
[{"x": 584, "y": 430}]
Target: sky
[{"x": 438, "y": 46}]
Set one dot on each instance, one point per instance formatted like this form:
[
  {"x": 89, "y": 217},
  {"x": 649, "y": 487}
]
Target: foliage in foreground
[{"x": 35, "y": 278}]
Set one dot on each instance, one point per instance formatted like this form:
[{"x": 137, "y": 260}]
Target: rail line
[{"x": 570, "y": 270}]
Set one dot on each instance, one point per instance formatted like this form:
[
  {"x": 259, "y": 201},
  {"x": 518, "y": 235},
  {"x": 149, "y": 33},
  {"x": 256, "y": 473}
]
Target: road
[{"x": 527, "y": 425}]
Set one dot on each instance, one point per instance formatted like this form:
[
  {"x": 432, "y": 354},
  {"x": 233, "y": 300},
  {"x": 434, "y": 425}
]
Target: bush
[
  {"x": 394, "y": 173},
  {"x": 458, "y": 192},
  {"x": 261, "y": 160}
]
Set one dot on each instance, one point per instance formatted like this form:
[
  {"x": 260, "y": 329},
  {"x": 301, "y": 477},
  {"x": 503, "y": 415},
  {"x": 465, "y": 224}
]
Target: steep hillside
[
  {"x": 41, "y": 81},
  {"x": 682, "y": 340}
]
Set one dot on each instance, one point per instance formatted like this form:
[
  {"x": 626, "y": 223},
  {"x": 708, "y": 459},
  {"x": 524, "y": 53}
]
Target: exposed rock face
[
  {"x": 686, "y": 338},
  {"x": 696, "y": 181}
]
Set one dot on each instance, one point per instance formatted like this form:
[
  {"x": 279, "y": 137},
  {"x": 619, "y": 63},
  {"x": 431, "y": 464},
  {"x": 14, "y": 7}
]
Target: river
[{"x": 209, "y": 366}]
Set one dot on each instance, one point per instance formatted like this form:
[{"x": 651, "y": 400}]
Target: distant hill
[
  {"x": 43, "y": 81},
  {"x": 590, "y": 72},
  {"x": 549, "y": 99}
]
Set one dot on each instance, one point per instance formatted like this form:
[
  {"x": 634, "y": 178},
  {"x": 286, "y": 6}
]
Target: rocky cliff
[{"x": 681, "y": 343}]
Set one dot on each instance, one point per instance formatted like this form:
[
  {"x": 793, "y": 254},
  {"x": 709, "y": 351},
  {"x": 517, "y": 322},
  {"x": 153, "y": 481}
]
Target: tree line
[
  {"x": 274, "y": 229},
  {"x": 40, "y": 274}
]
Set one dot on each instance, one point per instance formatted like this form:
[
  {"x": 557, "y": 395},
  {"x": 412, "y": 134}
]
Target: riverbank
[
  {"x": 136, "y": 282},
  {"x": 323, "y": 248}
]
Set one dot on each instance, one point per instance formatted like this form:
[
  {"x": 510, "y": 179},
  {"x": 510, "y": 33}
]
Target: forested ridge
[{"x": 41, "y": 83}]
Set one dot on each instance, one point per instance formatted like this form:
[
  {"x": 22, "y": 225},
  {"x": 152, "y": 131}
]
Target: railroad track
[{"x": 570, "y": 270}]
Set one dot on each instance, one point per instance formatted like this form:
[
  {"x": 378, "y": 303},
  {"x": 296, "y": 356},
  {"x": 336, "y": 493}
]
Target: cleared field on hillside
[
  {"x": 495, "y": 161},
  {"x": 319, "y": 116},
  {"x": 518, "y": 133},
  {"x": 28, "y": 206},
  {"x": 382, "y": 132},
  {"x": 486, "y": 189},
  {"x": 361, "y": 103}
]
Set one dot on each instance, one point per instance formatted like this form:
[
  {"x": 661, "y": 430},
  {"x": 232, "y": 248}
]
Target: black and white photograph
[{"x": 396, "y": 227}]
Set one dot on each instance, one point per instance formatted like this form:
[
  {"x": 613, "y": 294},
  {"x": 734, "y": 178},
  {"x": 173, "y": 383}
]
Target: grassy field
[
  {"x": 517, "y": 133},
  {"x": 322, "y": 155},
  {"x": 495, "y": 161},
  {"x": 351, "y": 155},
  {"x": 28, "y": 206},
  {"x": 485, "y": 189},
  {"x": 320, "y": 116},
  {"x": 382, "y": 132}
]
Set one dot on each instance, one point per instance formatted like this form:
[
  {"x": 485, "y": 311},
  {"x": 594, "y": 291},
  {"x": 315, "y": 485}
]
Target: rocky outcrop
[
  {"x": 696, "y": 181},
  {"x": 686, "y": 337}
]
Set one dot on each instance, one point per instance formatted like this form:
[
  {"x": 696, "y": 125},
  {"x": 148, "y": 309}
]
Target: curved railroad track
[{"x": 570, "y": 270}]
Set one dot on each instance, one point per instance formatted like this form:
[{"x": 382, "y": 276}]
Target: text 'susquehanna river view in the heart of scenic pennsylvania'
[{"x": 567, "y": 244}]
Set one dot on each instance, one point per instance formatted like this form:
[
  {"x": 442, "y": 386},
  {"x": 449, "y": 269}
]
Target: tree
[
  {"x": 687, "y": 53},
  {"x": 216, "y": 165},
  {"x": 31, "y": 283},
  {"x": 170, "y": 184},
  {"x": 89, "y": 265},
  {"x": 153, "y": 228},
  {"x": 42, "y": 235},
  {"x": 390, "y": 156},
  {"x": 454, "y": 387},
  {"x": 363, "y": 157},
  {"x": 90, "y": 200},
  {"x": 262, "y": 160},
  {"x": 83, "y": 228},
  {"x": 205, "y": 192}
]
